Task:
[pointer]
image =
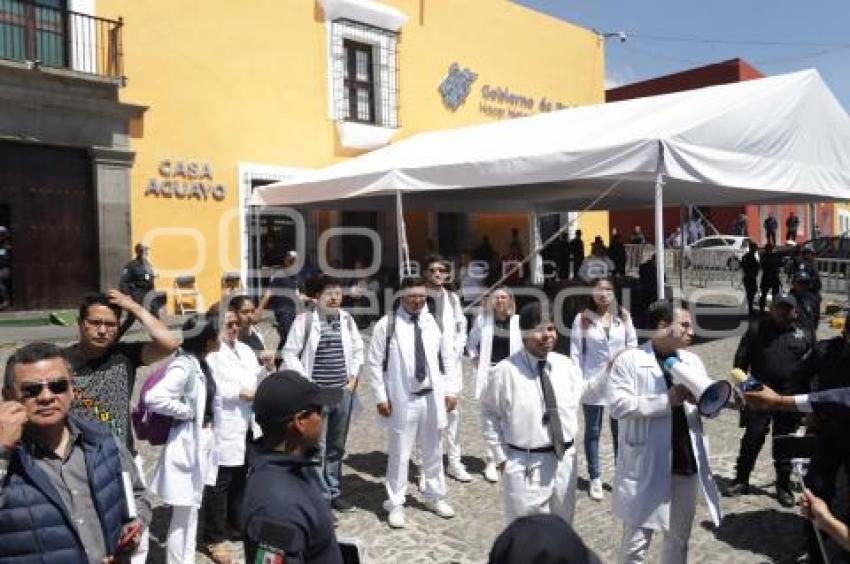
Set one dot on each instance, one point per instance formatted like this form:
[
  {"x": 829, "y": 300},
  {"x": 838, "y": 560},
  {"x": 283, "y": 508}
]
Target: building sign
[
  {"x": 185, "y": 180},
  {"x": 496, "y": 101},
  {"x": 456, "y": 86}
]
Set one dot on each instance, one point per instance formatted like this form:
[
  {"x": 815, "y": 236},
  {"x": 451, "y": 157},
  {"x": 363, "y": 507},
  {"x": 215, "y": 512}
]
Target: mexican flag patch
[{"x": 266, "y": 555}]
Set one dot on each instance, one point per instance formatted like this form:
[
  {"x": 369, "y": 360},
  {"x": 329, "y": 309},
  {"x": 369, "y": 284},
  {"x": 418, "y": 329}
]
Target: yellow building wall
[{"x": 227, "y": 81}]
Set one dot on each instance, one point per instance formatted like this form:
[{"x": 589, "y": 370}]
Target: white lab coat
[
  {"x": 188, "y": 461},
  {"x": 480, "y": 346},
  {"x": 233, "y": 370},
  {"x": 643, "y": 477},
  {"x": 352, "y": 344},
  {"x": 454, "y": 326},
  {"x": 594, "y": 351},
  {"x": 395, "y": 385}
]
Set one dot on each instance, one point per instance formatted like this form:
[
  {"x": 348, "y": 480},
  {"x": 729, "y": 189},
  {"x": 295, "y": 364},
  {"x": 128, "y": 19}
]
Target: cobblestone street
[{"x": 755, "y": 528}]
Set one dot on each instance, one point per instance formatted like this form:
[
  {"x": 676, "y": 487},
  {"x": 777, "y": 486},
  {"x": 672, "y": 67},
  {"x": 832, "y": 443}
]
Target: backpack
[{"x": 148, "y": 425}]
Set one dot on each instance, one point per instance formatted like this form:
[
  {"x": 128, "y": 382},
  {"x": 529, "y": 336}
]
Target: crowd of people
[{"x": 254, "y": 435}]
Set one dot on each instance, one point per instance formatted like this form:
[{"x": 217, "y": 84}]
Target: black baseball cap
[
  {"x": 287, "y": 392},
  {"x": 785, "y": 298}
]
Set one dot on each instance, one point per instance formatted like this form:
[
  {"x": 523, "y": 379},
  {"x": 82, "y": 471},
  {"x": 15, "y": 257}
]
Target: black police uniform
[
  {"x": 774, "y": 356},
  {"x": 137, "y": 279},
  {"x": 827, "y": 362},
  {"x": 750, "y": 267},
  {"x": 808, "y": 310},
  {"x": 771, "y": 264},
  {"x": 284, "y": 512}
]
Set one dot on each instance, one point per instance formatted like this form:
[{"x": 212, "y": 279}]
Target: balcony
[{"x": 44, "y": 34}]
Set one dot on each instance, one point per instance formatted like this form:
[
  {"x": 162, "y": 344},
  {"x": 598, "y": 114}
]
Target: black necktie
[
  {"x": 420, "y": 370},
  {"x": 435, "y": 307},
  {"x": 552, "y": 418}
]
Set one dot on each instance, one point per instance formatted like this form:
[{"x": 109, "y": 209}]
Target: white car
[{"x": 718, "y": 251}]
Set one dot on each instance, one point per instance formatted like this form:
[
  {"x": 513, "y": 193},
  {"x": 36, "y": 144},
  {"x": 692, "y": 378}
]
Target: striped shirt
[{"x": 329, "y": 369}]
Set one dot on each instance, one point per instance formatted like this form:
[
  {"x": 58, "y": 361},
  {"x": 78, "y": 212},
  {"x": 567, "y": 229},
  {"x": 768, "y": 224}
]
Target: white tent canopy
[{"x": 777, "y": 139}]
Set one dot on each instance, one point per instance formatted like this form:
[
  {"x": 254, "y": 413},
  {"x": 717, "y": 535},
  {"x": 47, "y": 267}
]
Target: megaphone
[{"x": 711, "y": 395}]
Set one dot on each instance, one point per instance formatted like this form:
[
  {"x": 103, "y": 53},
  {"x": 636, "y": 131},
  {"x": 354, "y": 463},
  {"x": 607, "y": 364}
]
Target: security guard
[
  {"x": 772, "y": 350},
  {"x": 808, "y": 304},
  {"x": 286, "y": 519},
  {"x": 750, "y": 267},
  {"x": 771, "y": 264},
  {"x": 827, "y": 363}
]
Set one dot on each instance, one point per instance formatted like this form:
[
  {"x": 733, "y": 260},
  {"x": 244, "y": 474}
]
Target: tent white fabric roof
[{"x": 779, "y": 139}]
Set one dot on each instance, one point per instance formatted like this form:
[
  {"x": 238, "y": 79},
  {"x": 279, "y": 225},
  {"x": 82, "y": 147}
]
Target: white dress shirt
[
  {"x": 512, "y": 402},
  {"x": 593, "y": 348}
]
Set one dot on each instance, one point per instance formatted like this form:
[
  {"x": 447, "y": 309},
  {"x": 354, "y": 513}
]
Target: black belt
[
  {"x": 550, "y": 448},
  {"x": 423, "y": 392}
]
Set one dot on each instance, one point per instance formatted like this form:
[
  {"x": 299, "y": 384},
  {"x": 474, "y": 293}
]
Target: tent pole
[
  {"x": 659, "y": 234},
  {"x": 401, "y": 228},
  {"x": 682, "y": 250},
  {"x": 534, "y": 248}
]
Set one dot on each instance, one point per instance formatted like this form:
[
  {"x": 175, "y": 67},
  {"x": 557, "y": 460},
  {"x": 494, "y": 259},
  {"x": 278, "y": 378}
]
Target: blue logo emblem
[{"x": 456, "y": 86}]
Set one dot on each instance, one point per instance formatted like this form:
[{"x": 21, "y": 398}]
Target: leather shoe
[
  {"x": 736, "y": 488},
  {"x": 340, "y": 505}
]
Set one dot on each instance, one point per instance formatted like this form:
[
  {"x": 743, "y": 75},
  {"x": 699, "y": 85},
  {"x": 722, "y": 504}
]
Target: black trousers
[
  {"x": 222, "y": 505},
  {"x": 833, "y": 452},
  {"x": 773, "y": 288},
  {"x": 757, "y": 425},
  {"x": 750, "y": 289}
]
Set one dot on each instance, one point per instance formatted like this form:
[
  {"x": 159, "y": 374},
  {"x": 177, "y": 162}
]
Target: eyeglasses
[
  {"x": 98, "y": 323},
  {"x": 30, "y": 390}
]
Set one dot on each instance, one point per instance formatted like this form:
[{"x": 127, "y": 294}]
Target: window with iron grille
[
  {"x": 365, "y": 74},
  {"x": 34, "y": 31}
]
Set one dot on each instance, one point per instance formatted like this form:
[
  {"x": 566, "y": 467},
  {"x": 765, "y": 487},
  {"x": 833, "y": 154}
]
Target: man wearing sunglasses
[
  {"x": 286, "y": 518},
  {"x": 105, "y": 367},
  {"x": 69, "y": 489},
  {"x": 447, "y": 310}
]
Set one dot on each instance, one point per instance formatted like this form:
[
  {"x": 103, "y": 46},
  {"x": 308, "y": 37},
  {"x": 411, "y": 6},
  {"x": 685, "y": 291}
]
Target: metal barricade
[{"x": 833, "y": 275}]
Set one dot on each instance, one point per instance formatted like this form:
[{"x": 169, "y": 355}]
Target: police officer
[
  {"x": 286, "y": 519},
  {"x": 827, "y": 363},
  {"x": 808, "y": 304},
  {"x": 771, "y": 264},
  {"x": 138, "y": 275},
  {"x": 750, "y": 267},
  {"x": 772, "y": 350}
]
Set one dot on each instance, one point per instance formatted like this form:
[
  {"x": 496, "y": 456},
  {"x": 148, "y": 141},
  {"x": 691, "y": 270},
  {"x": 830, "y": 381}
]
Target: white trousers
[
  {"x": 683, "y": 503},
  {"x": 140, "y": 556},
  {"x": 535, "y": 483},
  {"x": 182, "y": 533},
  {"x": 421, "y": 422},
  {"x": 451, "y": 434}
]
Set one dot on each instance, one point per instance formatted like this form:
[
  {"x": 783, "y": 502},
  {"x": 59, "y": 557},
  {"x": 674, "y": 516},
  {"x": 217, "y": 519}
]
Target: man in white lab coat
[
  {"x": 530, "y": 410},
  {"x": 447, "y": 310},
  {"x": 325, "y": 346},
  {"x": 663, "y": 453},
  {"x": 412, "y": 395}
]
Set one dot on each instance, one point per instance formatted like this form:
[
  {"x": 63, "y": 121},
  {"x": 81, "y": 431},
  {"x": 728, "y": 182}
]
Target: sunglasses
[{"x": 31, "y": 390}]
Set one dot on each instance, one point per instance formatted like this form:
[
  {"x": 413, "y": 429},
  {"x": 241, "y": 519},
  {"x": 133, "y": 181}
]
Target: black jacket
[
  {"x": 285, "y": 511},
  {"x": 774, "y": 355},
  {"x": 827, "y": 365}
]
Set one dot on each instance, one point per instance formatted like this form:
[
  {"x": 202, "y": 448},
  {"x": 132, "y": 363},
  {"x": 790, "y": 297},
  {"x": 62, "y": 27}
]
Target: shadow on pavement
[
  {"x": 372, "y": 463},
  {"x": 776, "y": 535}
]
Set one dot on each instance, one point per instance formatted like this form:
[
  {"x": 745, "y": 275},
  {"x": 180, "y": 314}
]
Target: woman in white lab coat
[
  {"x": 237, "y": 373},
  {"x": 600, "y": 332},
  {"x": 495, "y": 336},
  {"x": 188, "y": 460}
]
